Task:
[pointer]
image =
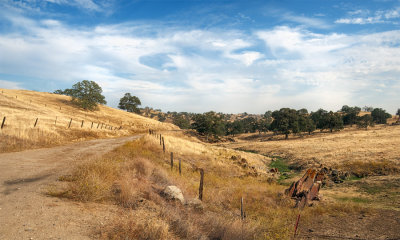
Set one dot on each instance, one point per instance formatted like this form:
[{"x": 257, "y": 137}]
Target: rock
[
  {"x": 194, "y": 203},
  {"x": 174, "y": 193}
]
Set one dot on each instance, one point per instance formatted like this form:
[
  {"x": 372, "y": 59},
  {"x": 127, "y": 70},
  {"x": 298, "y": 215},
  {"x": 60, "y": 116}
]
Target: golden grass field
[
  {"x": 340, "y": 150},
  {"x": 132, "y": 176},
  {"x": 54, "y": 113}
]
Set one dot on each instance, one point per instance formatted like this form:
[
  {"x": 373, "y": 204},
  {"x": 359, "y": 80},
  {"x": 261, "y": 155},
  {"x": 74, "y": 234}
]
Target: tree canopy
[
  {"x": 85, "y": 94},
  {"x": 380, "y": 116},
  {"x": 130, "y": 103}
]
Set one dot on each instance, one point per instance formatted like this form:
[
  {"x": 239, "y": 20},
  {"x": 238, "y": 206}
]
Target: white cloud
[
  {"x": 364, "y": 17},
  {"x": 9, "y": 84},
  {"x": 222, "y": 70}
]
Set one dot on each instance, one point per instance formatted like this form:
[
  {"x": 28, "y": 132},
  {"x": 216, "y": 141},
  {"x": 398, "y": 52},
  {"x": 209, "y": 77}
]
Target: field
[
  {"x": 58, "y": 121},
  {"x": 126, "y": 184}
]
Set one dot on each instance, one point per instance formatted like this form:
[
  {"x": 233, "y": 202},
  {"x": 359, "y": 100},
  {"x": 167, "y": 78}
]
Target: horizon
[{"x": 200, "y": 56}]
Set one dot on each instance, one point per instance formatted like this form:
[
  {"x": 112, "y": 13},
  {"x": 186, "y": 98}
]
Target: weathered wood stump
[{"x": 306, "y": 189}]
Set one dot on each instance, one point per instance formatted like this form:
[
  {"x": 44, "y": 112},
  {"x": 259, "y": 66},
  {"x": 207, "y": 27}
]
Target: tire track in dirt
[{"x": 27, "y": 213}]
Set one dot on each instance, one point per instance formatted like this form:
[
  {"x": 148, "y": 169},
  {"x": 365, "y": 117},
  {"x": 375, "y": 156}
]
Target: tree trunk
[{"x": 286, "y": 136}]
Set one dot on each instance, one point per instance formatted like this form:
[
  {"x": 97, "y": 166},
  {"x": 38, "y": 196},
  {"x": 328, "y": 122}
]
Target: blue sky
[{"x": 197, "y": 56}]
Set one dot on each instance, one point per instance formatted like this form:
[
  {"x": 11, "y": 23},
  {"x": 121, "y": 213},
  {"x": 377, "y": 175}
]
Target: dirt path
[{"x": 27, "y": 213}]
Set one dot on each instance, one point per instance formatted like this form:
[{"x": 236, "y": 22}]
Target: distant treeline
[{"x": 284, "y": 121}]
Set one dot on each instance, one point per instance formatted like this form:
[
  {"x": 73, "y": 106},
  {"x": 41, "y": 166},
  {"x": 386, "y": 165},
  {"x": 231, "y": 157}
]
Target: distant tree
[
  {"x": 161, "y": 117},
  {"x": 380, "y": 116},
  {"x": 130, "y": 103},
  {"x": 85, "y": 94},
  {"x": 365, "y": 121},
  {"x": 302, "y": 111},
  {"x": 235, "y": 127},
  {"x": 333, "y": 121},
  {"x": 398, "y": 114},
  {"x": 319, "y": 118},
  {"x": 350, "y": 115},
  {"x": 306, "y": 124},
  {"x": 367, "y": 109},
  {"x": 208, "y": 124},
  {"x": 285, "y": 122},
  {"x": 268, "y": 114},
  {"x": 182, "y": 121}
]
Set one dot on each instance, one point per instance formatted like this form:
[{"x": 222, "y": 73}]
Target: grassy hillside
[
  {"x": 54, "y": 113},
  {"x": 134, "y": 175}
]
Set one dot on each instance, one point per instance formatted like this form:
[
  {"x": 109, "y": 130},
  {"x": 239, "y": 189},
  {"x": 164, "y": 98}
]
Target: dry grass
[
  {"x": 133, "y": 176},
  {"x": 346, "y": 149},
  {"x": 54, "y": 112}
]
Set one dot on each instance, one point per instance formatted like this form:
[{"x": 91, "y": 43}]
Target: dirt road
[{"x": 27, "y": 213}]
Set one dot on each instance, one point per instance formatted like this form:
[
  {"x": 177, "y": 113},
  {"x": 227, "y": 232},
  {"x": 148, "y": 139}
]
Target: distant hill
[{"x": 58, "y": 121}]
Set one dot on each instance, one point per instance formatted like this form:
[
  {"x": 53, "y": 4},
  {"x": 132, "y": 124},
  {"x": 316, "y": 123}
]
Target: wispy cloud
[
  {"x": 199, "y": 70},
  {"x": 365, "y": 17}
]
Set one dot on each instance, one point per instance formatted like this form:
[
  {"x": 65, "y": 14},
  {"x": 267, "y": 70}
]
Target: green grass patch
[
  {"x": 354, "y": 178},
  {"x": 279, "y": 163},
  {"x": 354, "y": 199},
  {"x": 282, "y": 165},
  {"x": 247, "y": 150}
]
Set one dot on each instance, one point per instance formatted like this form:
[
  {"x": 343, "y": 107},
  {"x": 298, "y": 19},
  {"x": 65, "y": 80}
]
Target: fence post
[
  {"x": 163, "y": 144},
  {"x": 98, "y": 124},
  {"x": 91, "y": 126},
  {"x": 2, "y": 124},
  {"x": 34, "y": 125},
  {"x": 55, "y": 122},
  {"x": 82, "y": 124},
  {"x": 69, "y": 125},
  {"x": 172, "y": 160},
  {"x": 295, "y": 227},
  {"x": 201, "y": 184},
  {"x": 242, "y": 212},
  {"x": 180, "y": 170},
  {"x": 160, "y": 139},
  {"x": 101, "y": 126}
]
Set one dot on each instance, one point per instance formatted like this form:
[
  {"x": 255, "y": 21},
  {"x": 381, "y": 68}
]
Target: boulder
[
  {"x": 194, "y": 203},
  {"x": 173, "y": 193}
]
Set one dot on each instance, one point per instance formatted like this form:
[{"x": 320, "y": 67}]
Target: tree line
[
  {"x": 285, "y": 121},
  {"x": 88, "y": 94}
]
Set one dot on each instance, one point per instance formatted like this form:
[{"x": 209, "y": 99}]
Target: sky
[{"x": 203, "y": 55}]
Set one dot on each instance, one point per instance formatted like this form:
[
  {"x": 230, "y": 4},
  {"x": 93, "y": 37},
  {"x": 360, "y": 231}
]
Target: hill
[{"x": 39, "y": 119}]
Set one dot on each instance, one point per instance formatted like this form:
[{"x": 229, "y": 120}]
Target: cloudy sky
[{"x": 202, "y": 55}]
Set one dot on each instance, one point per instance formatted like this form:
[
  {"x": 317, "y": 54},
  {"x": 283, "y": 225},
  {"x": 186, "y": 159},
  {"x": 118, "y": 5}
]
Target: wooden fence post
[
  {"x": 172, "y": 160},
  {"x": 201, "y": 184},
  {"x": 2, "y": 124},
  {"x": 295, "y": 227},
  {"x": 180, "y": 170},
  {"x": 98, "y": 124},
  {"x": 82, "y": 124},
  {"x": 69, "y": 125},
  {"x": 55, "y": 122},
  {"x": 163, "y": 144},
  {"x": 91, "y": 126},
  {"x": 160, "y": 139},
  {"x": 34, "y": 125},
  {"x": 242, "y": 212},
  {"x": 101, "y": 126}
]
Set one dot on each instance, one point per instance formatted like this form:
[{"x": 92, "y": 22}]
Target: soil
[{"x": 26, "y": 212}]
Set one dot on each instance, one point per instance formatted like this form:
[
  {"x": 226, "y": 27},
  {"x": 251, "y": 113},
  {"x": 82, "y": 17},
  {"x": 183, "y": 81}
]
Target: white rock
[{"x": 174, "y": 193}]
